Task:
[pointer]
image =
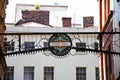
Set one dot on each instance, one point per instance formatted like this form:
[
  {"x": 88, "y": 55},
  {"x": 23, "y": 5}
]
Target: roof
[
  {"x": 29, "y": 22},
  {"x": 42, "y": 5},
  {"x": 38, "y": 29}
]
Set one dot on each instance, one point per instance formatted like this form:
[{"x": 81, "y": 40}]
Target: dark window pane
[
  {"x": 28, "y": 73},
  {"x": 81, "y": 73},
  {"x": 10, "y": 74},
  {"x": 29, "y": 45},
  {"x": 80, "y": 45},
  {"x": 97, "y": 73},
  {"x": 48, "y": 73}
]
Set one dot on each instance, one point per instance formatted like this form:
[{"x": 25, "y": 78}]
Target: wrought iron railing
[{"x": 16, "y": 43}]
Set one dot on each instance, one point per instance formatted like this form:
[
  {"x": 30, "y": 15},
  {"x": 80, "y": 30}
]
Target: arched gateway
[{"x": 59, "y": 44}]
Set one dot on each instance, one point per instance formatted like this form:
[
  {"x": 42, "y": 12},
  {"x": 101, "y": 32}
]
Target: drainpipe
[{"x": 100, "y": 28}]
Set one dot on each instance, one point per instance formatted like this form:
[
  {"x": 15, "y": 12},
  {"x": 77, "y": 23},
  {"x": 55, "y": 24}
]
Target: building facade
[
  {"x": 54, "y": 13},
  {"x": 44, "y": 65},
  {"x": 2, "y": 16},
  {"x": 106, "y": 25},
  {"x": 116, "y": 28},
  {"x": 109, "y": 22},
  {"x": 3, "y": 66},
  {"x": 41, "y": 62}
]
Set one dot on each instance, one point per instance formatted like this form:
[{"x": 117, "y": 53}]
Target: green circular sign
[{"x": 60, "y": 44}]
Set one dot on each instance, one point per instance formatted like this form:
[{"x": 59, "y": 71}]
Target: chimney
[
  {"x": 88, "y": 21},
  {"x": 66, "y": 22},
  {"x": 41, "y": 17}
]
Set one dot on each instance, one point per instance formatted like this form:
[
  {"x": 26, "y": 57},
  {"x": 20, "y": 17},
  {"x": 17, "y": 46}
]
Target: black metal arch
[{"x": 100, "y": 36}]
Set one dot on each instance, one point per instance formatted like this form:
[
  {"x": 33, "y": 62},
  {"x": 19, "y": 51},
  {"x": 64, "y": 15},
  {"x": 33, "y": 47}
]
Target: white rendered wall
[
  {"x": 116, "y": 27},
  {"x": 55, "y": 15},
  {"x": 64, "y": 68}
]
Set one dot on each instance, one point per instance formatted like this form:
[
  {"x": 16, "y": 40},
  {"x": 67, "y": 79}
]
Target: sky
[{"x": 76, "y": 8}]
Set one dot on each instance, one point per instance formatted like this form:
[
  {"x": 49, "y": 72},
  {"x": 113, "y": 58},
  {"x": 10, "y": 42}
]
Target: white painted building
[
  {"x": 43, "y": 65},
  {"x": 116, "y": 28},
  {"x": 64, "y": 68},
  {"x": 56, "y": 12}
]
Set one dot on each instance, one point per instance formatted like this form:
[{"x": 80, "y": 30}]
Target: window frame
[
  {"x": 51, "y": 72},
  {"x": 80, "y": 45},
  {"x": 27, "y": 43},
  {"x": 30, "y": 72},
  {"x": 81, "y": 75},
  {"x": 9, "y": 46},
  {"x": 8, "y": 76},
  {"x": 97, "y": 75}
]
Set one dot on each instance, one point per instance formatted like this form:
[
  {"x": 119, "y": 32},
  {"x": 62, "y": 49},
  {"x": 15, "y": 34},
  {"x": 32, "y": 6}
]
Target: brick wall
[
  {"x": 66, "y": 22},
  {"x": 41, "y": 17},
  {"x": 3, "y": 66}
]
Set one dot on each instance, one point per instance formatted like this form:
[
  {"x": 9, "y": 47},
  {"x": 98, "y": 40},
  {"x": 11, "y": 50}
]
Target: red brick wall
[
  {"x": 109, "y": 62},
  {"x": 108, "y": 38},
  {"x": 41, "y": 17},
  {"x": 66, "y": 22}
]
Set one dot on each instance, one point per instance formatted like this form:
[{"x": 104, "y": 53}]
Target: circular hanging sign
[{"x": 60, "y": 44}]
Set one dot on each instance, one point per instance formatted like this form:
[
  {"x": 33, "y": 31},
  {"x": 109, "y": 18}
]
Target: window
[
  {"x": 10, "y": 74},
  {"x": 48, "y": 73},
  {"x": 9, "y": 46},
  {"x": 96, "y": 45},
  {"x": 28, "y": 73},
  {"x": 97, "y": 73},
  {"x": 46, "y": 51},
  {"x": 80, "y": 73},
  {"x": 29, "y": 45},
  {"x": 45, "y": 44},
  {"x": 80, "y": 45}
]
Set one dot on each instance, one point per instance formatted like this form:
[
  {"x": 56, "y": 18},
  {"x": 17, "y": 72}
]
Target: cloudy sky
[{"x": 76, "y": 8}]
